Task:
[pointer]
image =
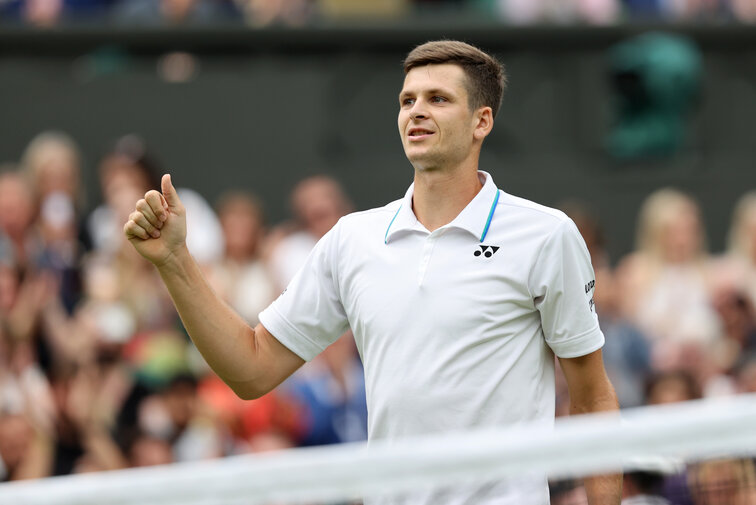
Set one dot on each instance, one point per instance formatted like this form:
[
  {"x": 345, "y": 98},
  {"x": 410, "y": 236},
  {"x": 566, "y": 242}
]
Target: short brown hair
[{"x": 485, "y": 74}]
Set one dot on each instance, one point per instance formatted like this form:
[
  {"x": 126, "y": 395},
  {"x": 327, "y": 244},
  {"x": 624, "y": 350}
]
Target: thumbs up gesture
[{"x": 157, "y": 228}]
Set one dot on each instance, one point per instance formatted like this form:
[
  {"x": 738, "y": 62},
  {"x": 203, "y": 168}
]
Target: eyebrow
[{"x": 433, "y": 91}]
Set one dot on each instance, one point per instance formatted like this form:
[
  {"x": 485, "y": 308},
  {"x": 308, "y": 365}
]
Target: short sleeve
[
  {"x": 562, "y": 284},
  {"x": 309, "y": 316}
]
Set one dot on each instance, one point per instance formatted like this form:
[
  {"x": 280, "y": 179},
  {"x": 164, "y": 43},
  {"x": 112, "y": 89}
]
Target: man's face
[{"x": 435, "y": 121}]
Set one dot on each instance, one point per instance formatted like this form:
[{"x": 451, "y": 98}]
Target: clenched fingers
[
  {"x": 140, "y": 220},
  {"x": 133, "y": 230},
  {"x": 150, "y": 215}
]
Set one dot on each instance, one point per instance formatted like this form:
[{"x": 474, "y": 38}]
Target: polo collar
[{"x": 475, "y": 217}]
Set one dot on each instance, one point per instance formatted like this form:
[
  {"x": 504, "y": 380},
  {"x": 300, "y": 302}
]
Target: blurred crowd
[
  {"x": 97, "y": 373},
  {"x": 680, "y": 325},
  {"x": 171, "y": 13}
]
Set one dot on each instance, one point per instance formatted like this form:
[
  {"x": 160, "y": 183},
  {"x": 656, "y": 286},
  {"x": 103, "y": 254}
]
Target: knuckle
[{"x": 130, "y": 228}]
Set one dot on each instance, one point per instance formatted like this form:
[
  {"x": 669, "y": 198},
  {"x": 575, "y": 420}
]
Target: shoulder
[
  {"x": 527, "y": 219},
  {"x": 530, "y": 210}
]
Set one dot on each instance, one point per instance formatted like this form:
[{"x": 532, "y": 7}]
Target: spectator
[
  {"x": 736, "y": 269},
  {"x": 123, "y": 172},
  {"x": 738, "y": 318},
  {"x": 82, "y": 440},
  {"x": 51, "y": 163},
  {"x": 723, "y": 482},
  {"x": 148, "y": 450},
  {"x": 317, "y": 203},
  {"x": 126, "y": 173},
  {"x": 332, "y": 393},
  {"x": 177, "y": 415},
  {"x": 17, "y": 213},
  {"x": 241, "y": 276},
  {"x": 274, "y": 421},
  {"x": 665, "y": 283},
  {"x": 672, "y": 386}
]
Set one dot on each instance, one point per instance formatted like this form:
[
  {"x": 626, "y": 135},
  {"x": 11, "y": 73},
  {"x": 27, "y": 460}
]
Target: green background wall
[{"x": 270, "y": 106}]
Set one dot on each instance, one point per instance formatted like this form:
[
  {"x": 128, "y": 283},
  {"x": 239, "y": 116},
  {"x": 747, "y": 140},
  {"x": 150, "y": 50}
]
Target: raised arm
[
  {"x": 591, "y": 391},
  {"x": 251, "y": 361}
]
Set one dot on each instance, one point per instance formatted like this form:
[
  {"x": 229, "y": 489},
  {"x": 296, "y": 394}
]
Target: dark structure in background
[
  {"x": 656, "y": 79},
  {"x": 260, "y": 109}
]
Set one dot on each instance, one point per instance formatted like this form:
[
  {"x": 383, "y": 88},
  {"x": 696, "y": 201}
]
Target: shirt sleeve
[
  {"x": 309, "y": 316},
  {"x": 562, "y": 283}
]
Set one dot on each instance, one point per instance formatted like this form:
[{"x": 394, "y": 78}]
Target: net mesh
[{"x": 697, "y": 452}]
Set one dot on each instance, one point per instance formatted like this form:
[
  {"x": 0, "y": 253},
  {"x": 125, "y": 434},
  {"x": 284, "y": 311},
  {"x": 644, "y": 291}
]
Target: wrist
[{"x": 176, "y": 261}]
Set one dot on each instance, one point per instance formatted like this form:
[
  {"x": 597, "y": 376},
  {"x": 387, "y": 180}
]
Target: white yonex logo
[{"x": 486, "y": 250}]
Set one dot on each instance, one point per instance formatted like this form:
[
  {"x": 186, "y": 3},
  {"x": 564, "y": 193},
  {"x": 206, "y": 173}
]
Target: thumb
[{"x": 169, "y": 192}]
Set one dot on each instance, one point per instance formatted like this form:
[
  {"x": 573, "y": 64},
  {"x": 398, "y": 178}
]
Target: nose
[{"x": 418, "y": 110}]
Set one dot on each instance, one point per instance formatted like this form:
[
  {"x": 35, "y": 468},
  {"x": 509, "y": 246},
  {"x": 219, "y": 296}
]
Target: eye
[
  {"x": 438, "y": 99},
  {"x": 407, "y": 101}
]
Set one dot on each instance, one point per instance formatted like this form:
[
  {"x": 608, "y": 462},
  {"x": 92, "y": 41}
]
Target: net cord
[{"x": 573, "y": 447}]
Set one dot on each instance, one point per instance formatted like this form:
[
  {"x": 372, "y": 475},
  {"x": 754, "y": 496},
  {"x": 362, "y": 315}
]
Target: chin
[{"x": 419, "y": 158}]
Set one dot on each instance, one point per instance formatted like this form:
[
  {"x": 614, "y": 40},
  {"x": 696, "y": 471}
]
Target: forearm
[
  {"x": 223, "y": 338},
  {"x": 604, "y": 489},
  {"x": 601, "y": 489}
]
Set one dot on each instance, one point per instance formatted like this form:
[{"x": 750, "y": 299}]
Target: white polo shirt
[{"x": 456, "y": 328}]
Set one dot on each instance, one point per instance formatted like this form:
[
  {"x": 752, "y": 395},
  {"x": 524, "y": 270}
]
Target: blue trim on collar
[
  {"x": 385, "y": 237},
  {"x": 490, "y": 216}
]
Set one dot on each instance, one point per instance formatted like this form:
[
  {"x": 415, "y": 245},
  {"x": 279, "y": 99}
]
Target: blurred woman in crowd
[
  {"x": 664, "y": 286},
  {"x": 52, "y": 165}
]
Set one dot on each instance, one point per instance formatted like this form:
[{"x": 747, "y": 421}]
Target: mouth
[{"x": 415, "y": 134}]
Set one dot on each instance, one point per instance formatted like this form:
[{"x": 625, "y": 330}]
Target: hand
[{"x": 157, "y": 228}]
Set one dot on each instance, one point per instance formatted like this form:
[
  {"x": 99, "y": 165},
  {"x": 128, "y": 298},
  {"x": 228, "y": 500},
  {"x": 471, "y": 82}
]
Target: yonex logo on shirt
[{"x": 486, "y": 250}]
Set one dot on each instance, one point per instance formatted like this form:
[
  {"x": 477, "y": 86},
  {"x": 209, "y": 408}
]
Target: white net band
[{"x": 574, "y": 447}]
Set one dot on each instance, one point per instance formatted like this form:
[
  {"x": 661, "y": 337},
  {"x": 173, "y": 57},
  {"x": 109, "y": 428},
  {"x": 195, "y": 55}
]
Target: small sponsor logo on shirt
[
  {"x": 590, "y": 286},
  {"x": 486, "y": 250}
]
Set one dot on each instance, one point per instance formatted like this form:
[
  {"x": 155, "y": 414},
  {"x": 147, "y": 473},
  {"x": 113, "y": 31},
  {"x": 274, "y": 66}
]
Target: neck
[{"x": 439, "y": 196}]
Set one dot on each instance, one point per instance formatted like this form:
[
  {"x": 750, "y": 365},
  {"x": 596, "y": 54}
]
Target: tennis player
[{"x": 459, "y": 294}]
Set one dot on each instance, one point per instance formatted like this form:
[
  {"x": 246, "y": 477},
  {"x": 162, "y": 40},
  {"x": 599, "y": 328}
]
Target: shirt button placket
[{"x": 430, "y": 243}]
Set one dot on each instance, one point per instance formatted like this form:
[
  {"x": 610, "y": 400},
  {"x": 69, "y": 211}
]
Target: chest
[{"x": 447, "y": 279}]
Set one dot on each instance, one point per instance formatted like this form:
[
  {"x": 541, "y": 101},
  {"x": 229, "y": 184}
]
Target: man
[{"x": 459, "y": 295}]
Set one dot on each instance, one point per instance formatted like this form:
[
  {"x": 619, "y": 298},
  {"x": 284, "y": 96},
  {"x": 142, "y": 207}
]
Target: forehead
[{"x": 446, "y": 76}]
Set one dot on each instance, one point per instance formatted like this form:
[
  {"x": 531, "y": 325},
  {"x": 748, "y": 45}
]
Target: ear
[{"x": 484, "y": 123}]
